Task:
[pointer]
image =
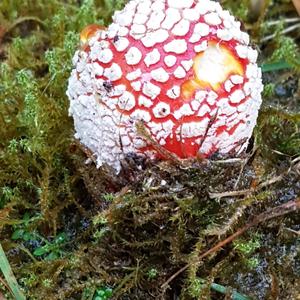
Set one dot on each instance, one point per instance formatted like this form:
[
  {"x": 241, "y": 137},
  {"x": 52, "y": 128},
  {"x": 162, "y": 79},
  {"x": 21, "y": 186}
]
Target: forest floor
[{"x": 200, "y": 229}]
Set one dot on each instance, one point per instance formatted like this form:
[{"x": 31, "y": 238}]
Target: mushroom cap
[{"x": 183, "y": 69}]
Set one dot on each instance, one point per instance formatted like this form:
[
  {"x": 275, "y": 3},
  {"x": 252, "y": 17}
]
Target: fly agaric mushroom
[{"x": 183, "y": 69}]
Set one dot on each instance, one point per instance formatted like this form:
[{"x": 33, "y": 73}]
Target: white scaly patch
[
  {"x": 155, "y": 20},
  {"x": 187, "y": 64},
  {"x": 180, "y": 3},
  {"x": 174, "y": 92},
  {"x": 160, "y": 75},
  {"x": 134, "y": 75},
  {"x": 136, "y": 85},
  {"x": 176, "y": 46},
  {"x": 201, "y": 47},
  {"x": 121, "y": 44},
  {"x": 140, "y": 19},
  {"x": 133, "y": 56},
  {"x": 204, "y": 109},
  {"x": 180, "y": 72},
  {"x": 113, "y": 73},
  {"x": 151, "y": 90},
  {"x": 137, "y": 31},
  {"x": 202, "y": 29},
  {"x": 185, "y": 110},
  {"x": 141, "y": 115},
  {"x": 152, "y": 58},
  {"x": 242, "y": 51},
  {"x": 193, "y": 129},
  {"x": 181, "y": 28},
  {"x": 201, "y": 95},
  {"x": 195, "y": 38},
  {"x": 212, "y": 19},
  {"x": 98, "y": 70},
  {"x": 172, "y": 17},
  {"x": 155, "y": 37},
  {"x": 126, "y": 101},
  {"x": 191, "y": 14},
  {"x": 118, "y": 90},
  {"x": 170, "y": 60},
  {"x": 224, "y": 34},
  {"x": 237, "y": 79},
  {"x": 161, "y": 110},
  {"x": 237, "y": 96},
  {"x": 144, "y": 101},
  {"x": 228, "y": 85}
]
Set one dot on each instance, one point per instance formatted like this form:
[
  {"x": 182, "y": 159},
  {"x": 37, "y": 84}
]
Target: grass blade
[
  {"x": 281, "y": 65},
  {"x": 9, "y": 276},
  {"x": 223, "y": 290}
]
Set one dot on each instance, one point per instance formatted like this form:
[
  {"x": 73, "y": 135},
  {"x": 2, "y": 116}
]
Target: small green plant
[
  {"x": 152, "y": 273},
  {"x": 52, "y": 250},
  {"x": 269, "y": 90},
  {"x": 103, "y": 293},
  {"x": 109, "y": 197},
  {"x": 252, "y": 262},
  {"x": 246, "y": 248},
  {"x": 195, "y": 287}
]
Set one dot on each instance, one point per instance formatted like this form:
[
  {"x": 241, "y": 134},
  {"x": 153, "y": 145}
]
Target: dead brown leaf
[{"x": 297, "y": 5}]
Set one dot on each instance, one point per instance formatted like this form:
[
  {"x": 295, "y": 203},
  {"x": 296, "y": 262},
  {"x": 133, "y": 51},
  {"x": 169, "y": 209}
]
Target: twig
[
  {"x": 271, "y": 181},
  {"x": 228, "y": 161},
  {"x": 141, "y": 129},
  {"x": 20, "y": 21},
  {"x": 293, "y": 231},
  {"x": 9, "y": 276},
  {"x": 287, "y": 21},
  {"x": 277, "y": 211},
  {"x": 243, "y": 166},
  {"x": 6, "y": 285},
  {"x": 230, "y": 194},
  {"x": 248, "y": 191},
  {"x": 285, "y": 31}
]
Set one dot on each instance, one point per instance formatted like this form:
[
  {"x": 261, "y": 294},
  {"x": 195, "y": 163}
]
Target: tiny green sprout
[
  {"x": 13, "y": 146},
  {"x": 246, "y": 248},
  {"x": 152, "y": 273},
  {"x": 47, "y": 283},
  {"x": 29, "y": 280},
  {"x": 252, "y": 262},
  {"x": 108, "y": 197},
  {"x": 26, "y": 80},
  {"x": 99, "y": 220},
  {"x": 103, "y": 293},
  {"x": 269, "y": 90},
  {"x": 99, "y": 234},
  {"x": 74, "y": 261},
  {"x": 195, "y": 287}
]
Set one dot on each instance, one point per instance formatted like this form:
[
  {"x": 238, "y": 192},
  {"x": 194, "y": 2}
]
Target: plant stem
[{"x": 9, "y": 276}]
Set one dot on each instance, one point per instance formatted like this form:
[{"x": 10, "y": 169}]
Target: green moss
[{"x": 71, "y": 231}]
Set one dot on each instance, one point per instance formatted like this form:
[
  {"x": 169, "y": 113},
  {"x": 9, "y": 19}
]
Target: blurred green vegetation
[{"x": 71, "y": 231}]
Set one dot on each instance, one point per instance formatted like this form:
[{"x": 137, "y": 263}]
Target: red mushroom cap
[{"x": 183, "y": 68}]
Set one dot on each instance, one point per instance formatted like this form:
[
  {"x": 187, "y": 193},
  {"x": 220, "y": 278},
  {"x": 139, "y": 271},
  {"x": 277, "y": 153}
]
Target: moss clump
[{"x": 71, "y": 231}]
